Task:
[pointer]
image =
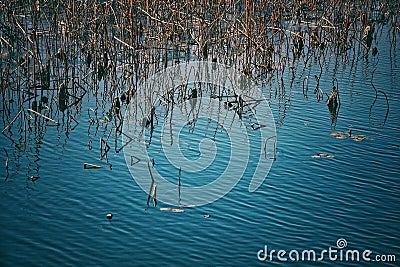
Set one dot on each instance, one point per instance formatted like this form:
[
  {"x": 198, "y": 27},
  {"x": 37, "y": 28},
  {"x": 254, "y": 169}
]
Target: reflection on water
[
  {"x": 206, "y": 120},
  {"x": 330, "y": 75}
]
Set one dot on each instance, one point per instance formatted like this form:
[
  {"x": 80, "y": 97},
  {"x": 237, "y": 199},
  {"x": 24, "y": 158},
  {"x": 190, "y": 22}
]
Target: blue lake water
[{"x": 305, "y": 203}]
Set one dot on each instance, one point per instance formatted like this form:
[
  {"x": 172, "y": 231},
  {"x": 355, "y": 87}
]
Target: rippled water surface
[{"x": 305, "y": 202}]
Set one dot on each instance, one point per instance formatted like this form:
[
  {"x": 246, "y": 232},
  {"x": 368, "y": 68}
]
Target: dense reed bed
[{"x": 55, "y": 52}]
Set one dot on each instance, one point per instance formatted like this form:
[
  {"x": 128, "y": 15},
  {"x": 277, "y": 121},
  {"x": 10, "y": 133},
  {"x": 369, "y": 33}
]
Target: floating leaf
[
  {"x": 359, "y": 137},
  {"x": 340, "y": 135}
]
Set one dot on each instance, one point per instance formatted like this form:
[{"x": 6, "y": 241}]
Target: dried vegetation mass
[{"x": 55, "y": 52}]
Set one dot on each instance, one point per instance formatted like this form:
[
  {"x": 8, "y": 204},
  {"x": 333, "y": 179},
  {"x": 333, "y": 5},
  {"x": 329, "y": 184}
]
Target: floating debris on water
[
  {"x": 43, "y": 116},
  {"x": 172, "y": 210},
  {"x": 34, "y": 178},
  {"x": 340, "y": 135},
  {"x": 359, "y": 137},
  {"x": 177, "y": 210},
  {"x": 322, "y": 155},
  {"x": 91, "y": 166},
  {"x": 355, "y": 137},
  {"x": 187, "y": 206}
]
